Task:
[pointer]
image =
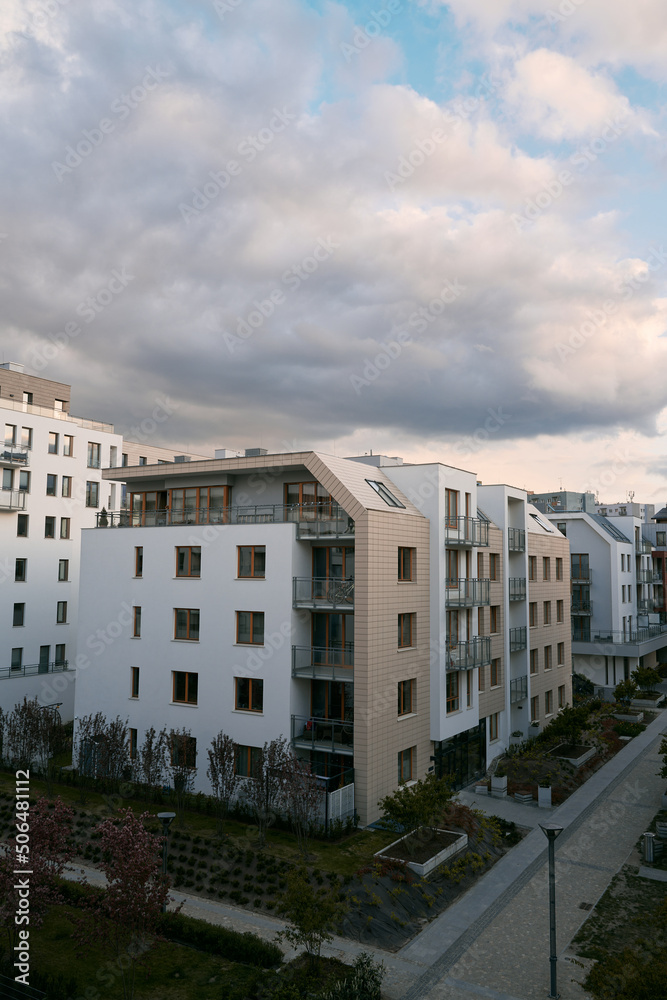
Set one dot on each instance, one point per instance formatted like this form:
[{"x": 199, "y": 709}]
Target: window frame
[
  {"x": 63, "y": 570},
  {"x": 560, "y": 611},
  {"x": 534, "y": 662},
  {"x": 548, "y": 703},
  {"x": 405, "y": 765},
  {"x": 532, "y": 568},
  {"x": 18, "y": 616},
  {"x": 68, "y": 445},
  {"x": 494, "y": 619},
  {"x": 252, "y": 575},
  {"x": 65, "y": 527},
  {"x": 187, "y": 683},
  {"x": 66, "y": 486},
  {"x": 51, "y": 484},
  {"x": 548, "y": 658},
  {"x": 92, "y": 494},
  {"x": 22, "y": 521},
  {"x": 53, "y": 443},
  {"x": 385, "y": 493},
  {"x": 546, "y": 612},
  {"x": 189, "y": 612},
  {"x": 561, "y": 654},
  {"x": 61, "y": 613},
  {"x": 94, "y": 455},
  {"x": 251, "y": 628},
  {"x": 252, "y": 682},
  {"x": 406, "y": 629},
  {"x": 493, "y": 727},
  {"x": 49, "y": 526},
  {"x": 134, "y": 682},
  {"x": 532, "y": 614},
  {"x": 20, "y": 569},
  {"x": 495, "y": 668},
  {"x": 494, "y": 566},
  {"x": 561, "y": 696},
  {"x": 190, "y": 761},
  {"x": 138, "y": 561},
  {"x": 136, "y": 621},
  {"x": 535, "y": 708},
  {"x": 559, "y": 568},
  {"x": 252, "y": 758},
  {"x": 406, "y": 698},
  {"x": 188, "y": 551},
  {"x": 452, "y": 692},
  {"x": 406, "y": 562}
]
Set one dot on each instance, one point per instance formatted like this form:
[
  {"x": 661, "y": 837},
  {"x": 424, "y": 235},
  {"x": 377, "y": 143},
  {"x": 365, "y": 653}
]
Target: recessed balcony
[
  {"x": 518, "y": 689},
  {"x": 12, "y": 500},
  {"x": 518, "y": 639},
  {"x": 13, "y": 456},
  {"x": 467, "y": 593},
  {"x": 469, "y": 653},
  {"x": 328, "y": 735},
  {"x": 324, "y": 663},
  {"x": 466, "y": 532},
  {"x": 313, "y": 521},
  {"x": 516, "y": 539},
  {"x": 582, "y": 607},
  {"x": 323, "y": 593},
  {"x": 517, "y": 588}
]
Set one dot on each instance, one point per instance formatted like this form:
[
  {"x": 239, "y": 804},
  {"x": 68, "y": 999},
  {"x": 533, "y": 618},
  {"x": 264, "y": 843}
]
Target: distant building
[{"x": 562, "y": 500}]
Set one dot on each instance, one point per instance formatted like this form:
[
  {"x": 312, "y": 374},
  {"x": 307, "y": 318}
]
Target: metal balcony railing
[
  {"x": 518, "y": 638},
  {"x": 643, "y": 547},
  {"x": 469, "y": 653},
  {"x": 618, "y": 636},
  {"x": 13, "y": 454},
  {"x": 11, "y": 500},
  {"x": 517, "y": 588},
  {"x": 323, "y": 592},
  {"x": 466, "y": 531},
  {"x": 467, "y": 593},
  {"x": 582, "y": 607},
  {"x": 656, "y": 577},
  {"x": 28, "y": 669},
  {"x": 323, "y": 663},
  {"x": 516, "y": 539},
  {"x": 647, "y": 605},
  {"x": 330, "y": 735},
  {"x": 312, "y": 520},
  {"x": 518, "y": 689}
]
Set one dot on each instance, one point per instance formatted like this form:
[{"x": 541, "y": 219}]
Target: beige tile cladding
[
  {"x": 542, "y": 635},
  {"x": 44, "y": 392},
  {"x": 492, "y": 700},
  {"x": 378, "y": 666}
]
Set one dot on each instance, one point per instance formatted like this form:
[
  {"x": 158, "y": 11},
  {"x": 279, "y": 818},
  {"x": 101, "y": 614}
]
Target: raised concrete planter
[
  {"x": 516, "y": 740},
  {"x": 499, "y": 787},
  {"x": 481, "y": 789},
  {"x": 577, "y": 761},
  {"x": 627, "y": 717},
  {"x": 648, "y": 702},
  {"x": 544, "y": 797},
  {"x": 423, "y": 869}
]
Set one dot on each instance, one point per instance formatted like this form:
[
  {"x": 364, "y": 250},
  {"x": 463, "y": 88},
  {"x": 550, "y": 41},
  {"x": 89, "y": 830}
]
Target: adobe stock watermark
[
  {"x": 565, "y": 10},
  {"x": 249, "y": 149},
  {"x": 121, "y": 107},
  {"x": 364, "y": 34}
]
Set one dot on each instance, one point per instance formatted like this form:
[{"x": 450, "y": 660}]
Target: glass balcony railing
[
  {"x": 468, "y": 532},
  {"x": 582, "y": 607},
  {"x": 518, "y": 689},
  {"x": 12, "y": 500},
  {"x": 516, "y": 539},
  {"x": 14, "y": 454},
  {"x": 330, "y": 735},
  {"x": 467, "y": 593},
  {"x": 517, "y": 588},
  {"x": 312, "y": 520},
  {"x": 324, "y": 663},
  {"x": 469, "y": 653},
  {"x": 518, "y": 638},
  {"x": 578, "y": 573},
  {"x": 323, "y": 592}
]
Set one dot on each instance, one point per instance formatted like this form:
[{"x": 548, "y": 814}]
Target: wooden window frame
[
  {"x": 535, "y": 708},
  {"x": 403, "y": 776},
  {"x": 451, "y": 519},
  {"x": 469, "y": 674},
  {"x": 559, "y": 568},
  {"x": 493, "y": 727},
  {"x": 532, "y": 568},
  {"x": 534, "y": 662},
  {"x": 252, "y": 683},
  {"x": 561, "y": 654},
  {"x": 251, "y": 755},
  {"x": 546, "y": 612},
  {"x": 51, "y": 484},
  {"x": 66, "y": 486},
  {"x": 406, "y": 702},
  {"x": 190, "y": 751},
  {"x": 68, "y": 445},
  {"x": 136, "y": 622},
  {"x": 188, "y": 550},
  {"x": 53, "y": 441},
  {"x": 494, "y": 566},
  {"x": 65, "y": 527},
  {"x": 481, "y": 678},
  {"x": 406, "y": 624},
  {"x": 406, "y": 556},
  {"x": 548, "y": 658},
  {"x": 63, "y": 570},
  {"x": 561, "y": 696},
  {"x": 188, "y": 684},
  {"x": 49, "y": 526},
  {"x": 532, "y": 614},
  {"x": 20, "y": 570},
  {"x": 546, "y": 568},
  {"x": 494, "y": 619},
  {"x": 560, "y": 611},
  {"x": 61, "y": 613},
  {"x": 252, "y": 575},
  {"x": 133, "y": 744},
  {"x": 251, "y": 641},
  {"x": 452, "y": 692},
  {"x": 138, "y": 561},
  {"x": 495, "y": 669},
  {"x": 134, "y": 682},
  {"x": 189, "y": 628},
  {"x": 549, "y": 702}
]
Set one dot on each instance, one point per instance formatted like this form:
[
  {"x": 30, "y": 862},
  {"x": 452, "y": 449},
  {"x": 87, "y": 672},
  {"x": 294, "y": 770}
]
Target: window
[
  {"x": 68, "y": 445},
  {"x": 406, "y": 625},
  {"x": 44, "y": 657},
  {"x": 547, "y": 612},
  {"x": 49, "y": 527},
  {"x": 133, "y": 744},
  {"x": 53, "y": 443},
  {"x": 559, "y": 611},
  {"x": 64, "y": 527},
  {"x": 386, "y": 494},
  {"x": 66, "y": 486},
  {"x": 17, "y": 658},
  {"x": 495, "y": 673},
  {"x": 123, "y": 459},
  {"x": 185, "y": 687},
  {"x": 452, "y": 693},
  {"x": 63, "y": 569},
  {"x": 136, "y": 622},
  {"x": 481, "y": 679},
  {"x": 134, "y": 682},
  {"x": 532, "y": 567},
  {"x": 559, "y": 568},
  {"x": 22, "y": 526},
  {"x": 532, "y": 614},
  {"x": 561, "y": 654},
  {"x": 548, "y": 662},
  {"x": 51, "y": 485},
  {"x": 405, "y": 765},
  {"x": 548, "y": 702},
  {"x": 480, "y": 621},
  {"x": 252, "y": 561},
  {"x": 561, "y": 696},
  {"x": 186, "y": 623},
  {"x": 250, "y": 627},
  {"x": 138, "y": 560},
  {"x": 406, "y": 703},
  {"x": 533, "y": 661},
  {"x": 246, "y": 761},
  {"x": 249, "y": 694},
  {"x": 60, "y": 654},
  {"x": 546, "y": 568},
  {"x": 61, "y": 613},
  {"x": 10, "y": 435},
  {"x": 480, "y": 565},
  {"x": 94, "y": 455},
  {"x": 661, "y": 538},
  {"x": 406, "y": 559},
  {"x": 535, "y": 709},
  {"x": 452, "y": 567},
  {"x": 26, "y": 437},
  {"x": 24, "y": 481},
  {"x": 92, "y": 494},
  {"x": 27, "y": 398},
  {"x": 19, "y": 614},
  {"x": 493, "y": 726},
  {"x": 468, "y": 688},
  {"x": 494, "y": 566},
  {"x": 451, "y": 508},
  {"x": 183, "y": 750},
  {"x": 143, "y": 460},
  {"x": 495, "y": 619},
  {"x": 188, "y": 560},
  {"x": 20, "y": 570},
  {"x": 579, "y": 567}
]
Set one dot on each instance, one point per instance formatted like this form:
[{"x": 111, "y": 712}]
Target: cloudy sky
[{"x": 430, "y": 229}]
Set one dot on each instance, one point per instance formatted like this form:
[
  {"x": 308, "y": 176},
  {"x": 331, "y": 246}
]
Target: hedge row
[{"x": 246, "y": 948}]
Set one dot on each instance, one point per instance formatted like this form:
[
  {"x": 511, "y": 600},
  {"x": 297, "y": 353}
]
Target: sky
[{"x": 427, "y": 229}]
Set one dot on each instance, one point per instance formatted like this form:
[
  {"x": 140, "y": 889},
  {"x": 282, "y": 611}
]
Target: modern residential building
[
  {"x": 366, "y": 609},
  {"x": 551, "y": 503}
]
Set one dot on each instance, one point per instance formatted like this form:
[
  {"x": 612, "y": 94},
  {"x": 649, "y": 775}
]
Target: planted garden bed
[
  {"x": 574, "y": 753},
  {"x": 425, "y": 850}
]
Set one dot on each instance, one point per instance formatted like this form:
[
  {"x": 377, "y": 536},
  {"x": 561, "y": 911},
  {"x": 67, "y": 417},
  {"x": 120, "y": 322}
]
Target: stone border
[{"x": 424, "y": 869}]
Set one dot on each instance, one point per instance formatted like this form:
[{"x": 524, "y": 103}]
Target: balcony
[
  {"x": 29, "y": 669},
  {"x": 313, "y": 520},
  {"x": 516, "y": 539},
  {"x": 517, "y": 588},
  {"x": 467, "y": 593},
  {"x": 619, "y": 637},
  {"x": 469, "y": 654},
  {"x": 13, "y": 456},
  {"x": 466, "y": 532},
  {"x": 643, "y": 547},
  {"x": 323, "y": 663},
  {"x": 518, "y": 689},
  {"x": 329, "y": 735},
  {"x": 645, "y": 605},
  {"x": 581, "y": 574},
  {"x": 581, "y": 607},
  {"x": 12, "y": 500},
  {"x": 647, "y": 576},
  {"x": 518, "y": 639},
  {"x": 323, "y": 593}
]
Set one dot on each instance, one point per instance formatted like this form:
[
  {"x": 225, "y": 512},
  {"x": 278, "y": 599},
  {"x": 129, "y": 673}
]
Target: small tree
[
  {"x": 33, "y": 735},
  {"x": 125, "y": 916},
  {"x": 181, "y": 765},
  {"x": 412, "y": 807},
  {"x": 646, "y": 678},
  {"x": 303, "y": 798},
  {"x": 365, "y": 983},
  {"x": 625, "y": 692},
  {"x": 663, "y": 753},
  {"x": 151, "y": 761},
  {"x": 221, "y": 772},
  {"x": 313, "y": 913},
  {"x": 266, "y": 792}
]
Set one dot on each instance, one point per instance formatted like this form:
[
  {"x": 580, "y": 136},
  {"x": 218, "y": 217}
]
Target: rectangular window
[
  {"x": 252, "y": 562},
  {"x": 385, "y": 493},
  {"x": 468, "y": 688},
  {"x": 546, "y": 568},
  {"x": 406, "y": 705},
  {"x": 26, "y": 437},
  {"x": 185, "y": 687},
  {"x": 134, "y": 682},
  {"x": 136, "y": 622},
  {"x": 49, "y": 527},
  {"x": 143, "y": 460},
  {"x": 60, "y": 654},
  {"x": 481, "y": 679},
  {"x": 661, "y": 538},
  {"x": 623, "y": 594},
  {"x": 493, "y": 726},
  {"x": 186, "y": 623},
  {"x": 64, "y": 527},
  {"x": 405, "y": 765},
  {"x": 532, "y": 567},
  {"x": 495, "y": 673},
  {"x": 406, "y": 626},
  {"x": 68, "y": 445},
  {"x": 24, "y": 481},
  {"x": 548, "y": 702},
  {"x": 548, "y": 663},
  {"x": 494, "y": 566},
  {"x": 20, "y": 570},
  {"x": 249, "y": 694},
  {"x": 19, "y": 614},
  {"x": 10, "y": 435},
  {"x": 92, "y": 494},
  {"x": 94, "y": 455},
  {"x": 22, "y": 526},
  {"x": 51, "y": 485},
  {"x": 495, "y": 619},
  {"x": 53, "y": 443},
  {"x": 63, "y": 569},
  {"x": 451, "y": 508},
  {"x": 133, "y": 744},
  {"x": 17, "y": 658},
  {"x": 138, "y": 560},
  {"x": 247, "y": 759},
  {"x": 535, "y": 709},
  {"x": 561, "y": 696},
  {"x": 547, "y": 612},
  {"x": 533, "y": 661},
  {"x": 452, "y": 693},
  {"x": 480, "y": 621},
  {"x": 560, "y": 611},
  {"x": 183, "y": 750},
  {"x": 561, "y": 654},
  {"x": 452, "y": 567},
  {"x": 61, "y": 613},
  {"x": 66, "y": 486},
  {"x": 532, "y": 614},
  {"x": 188, "y": 560},
  {"x": 480, "y": 565},
  {"x": 559, "y": 568},
  {"x": 250, "y": 627},
  {"x": 405, "y": 564}
]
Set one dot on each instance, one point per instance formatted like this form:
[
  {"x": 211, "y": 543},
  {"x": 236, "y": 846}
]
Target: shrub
[{"x": 245, "y": 948}]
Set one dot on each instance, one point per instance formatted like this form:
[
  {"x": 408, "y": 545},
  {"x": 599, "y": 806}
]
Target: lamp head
[{"x": 551, "y": 830}]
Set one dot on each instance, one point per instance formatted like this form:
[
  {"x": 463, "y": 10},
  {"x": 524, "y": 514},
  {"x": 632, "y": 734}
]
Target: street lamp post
[
  {"x": 551, "y": 832},
  {"x": 166, "y": 819}
]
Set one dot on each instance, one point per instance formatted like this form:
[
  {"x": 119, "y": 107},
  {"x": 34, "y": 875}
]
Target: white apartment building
[{"x": 355, "y": 606}]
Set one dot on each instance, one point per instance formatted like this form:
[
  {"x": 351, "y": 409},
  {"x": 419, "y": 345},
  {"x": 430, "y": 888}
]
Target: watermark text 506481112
[{"x": 23, "y": 872}]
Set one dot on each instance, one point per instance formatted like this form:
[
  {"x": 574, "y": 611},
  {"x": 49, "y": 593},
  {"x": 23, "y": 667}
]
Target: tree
[
  {"x": 33, "y": 736},
  {"x": 313, "y": 913},
  {"x": 646, "y": 678},
  {"x": 124, "y": 918},
  {"x": 266, "y": 791},
  {"x": 181, "y": 765},
  {"x": 303, "y": 798},
  {"x": 412, "y": 807},
  {"x": 221, "y": 772},
  {"x": 625, "y": 692},
  {"x": 365, "y": 982},
  {"x": 151, "y": 762}
]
